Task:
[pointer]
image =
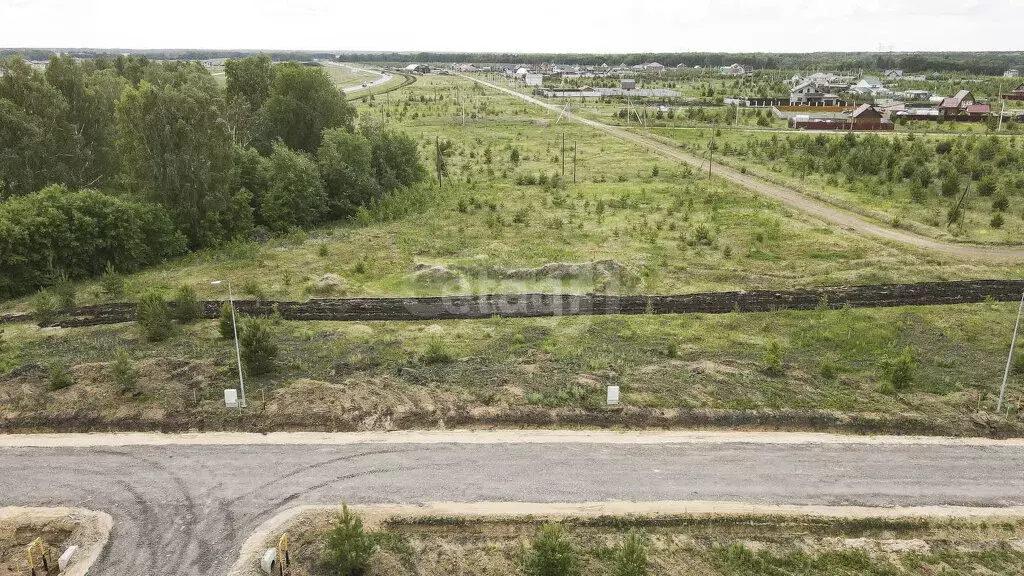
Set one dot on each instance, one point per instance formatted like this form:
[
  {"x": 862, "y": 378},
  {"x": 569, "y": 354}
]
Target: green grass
[
  {"x": 669, "y": 229},
  {"x": 714, "y": 362},
  {"x": 618, "y": 210},
  {"x": 888, "y": 202},
  {"x": 708, "y": 545}
]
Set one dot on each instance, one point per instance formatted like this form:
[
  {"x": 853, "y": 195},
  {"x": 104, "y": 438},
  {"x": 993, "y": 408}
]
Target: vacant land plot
[
  {"x": 508, "y": 220},
  {"x": 711, "y": 545},
  {"x": 910, "y": 370},
  {"x": 967, "y": 188},
  {"x": 507, "y": 205}
]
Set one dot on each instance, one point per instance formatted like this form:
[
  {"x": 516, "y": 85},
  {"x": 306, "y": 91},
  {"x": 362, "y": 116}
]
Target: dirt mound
[
  {"x": 327, "y": 284},
  {"x": 599, "y": 272},
  {"x": 427, "y": 273}
]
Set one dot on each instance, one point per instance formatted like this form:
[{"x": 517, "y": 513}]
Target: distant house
[
  {"x": 468, "y": 68},
  {"x": 893, "y": 74},
  {"x": 808, "y": 94},
  {"x": 735, "y": 70},
  {"x": 1012, "y": 73},
  {"x": 417, "y": 68},
  {"x": 868, "y": 85},
  {"x": 1016, "y": 94},
  {"x": 866, "y": 116},
  {"x": 917, "y": 94},
  {"x": 534, "y": 79},
  {"x": 627, "y": 84},
  {"x": 978, "y": 111},
  {"x": 956, "y": 104},
  {"x": 654, "y": 67},
  {"x": 521, "y": 72}
]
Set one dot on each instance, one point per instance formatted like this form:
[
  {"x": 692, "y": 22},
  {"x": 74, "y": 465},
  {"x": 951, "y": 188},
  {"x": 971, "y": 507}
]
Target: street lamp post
[{"x": 234, "y": 327}]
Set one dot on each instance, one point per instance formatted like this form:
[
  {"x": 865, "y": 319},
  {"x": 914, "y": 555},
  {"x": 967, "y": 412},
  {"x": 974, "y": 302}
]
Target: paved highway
[
  {"x": 186, "y": 509},
  {"x": 384, "y": 77}
]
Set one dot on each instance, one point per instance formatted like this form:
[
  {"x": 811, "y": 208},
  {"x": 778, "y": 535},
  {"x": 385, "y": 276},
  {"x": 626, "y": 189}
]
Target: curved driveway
[{"x": 182, "y": 509}]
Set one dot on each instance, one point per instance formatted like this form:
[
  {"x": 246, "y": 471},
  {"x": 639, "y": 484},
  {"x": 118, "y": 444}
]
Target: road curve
[
  {"x": 383, "y": 77},
  {"x": 820, "y": 210},
  {"x": 187, "y": 508}
]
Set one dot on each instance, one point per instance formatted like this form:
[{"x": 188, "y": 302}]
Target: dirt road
[
  {"x": 187, "y": 508},
  {"x": 787, "y": 196}
]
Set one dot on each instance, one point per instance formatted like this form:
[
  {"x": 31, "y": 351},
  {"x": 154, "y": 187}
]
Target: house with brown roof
[
  {"x": 867, "y": 117},
  {"x": 955, "y": 105},
  {"x": 978, "y": 111},
  {"x": 1016, "y": 94}
]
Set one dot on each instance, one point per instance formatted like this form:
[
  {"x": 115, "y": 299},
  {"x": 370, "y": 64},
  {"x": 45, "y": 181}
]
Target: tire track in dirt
[{"x": 792, "y": 198}]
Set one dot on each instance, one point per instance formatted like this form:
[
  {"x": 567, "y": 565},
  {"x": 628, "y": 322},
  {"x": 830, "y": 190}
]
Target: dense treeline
[
  {"x": 130, "y": 161},
  {"x": 987, "y": 63}
]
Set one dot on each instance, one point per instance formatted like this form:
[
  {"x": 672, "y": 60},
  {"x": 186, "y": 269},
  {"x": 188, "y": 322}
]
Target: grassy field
[
  {"x": 657, "y": 226},
  {"x": 670, "y": 228},
  {"x": 832, "y": 370},
  {"x": 703, "y": 545},
  {"x": 891, "y": 200}
]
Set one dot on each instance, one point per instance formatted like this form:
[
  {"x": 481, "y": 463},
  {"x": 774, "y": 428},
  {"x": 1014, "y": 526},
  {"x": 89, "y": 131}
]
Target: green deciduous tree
[
  {"x": 346, "y": 165},
  {"x": 38, "y": 143},
  {"x": 175, "y": 149},
  {"x": 80, "y": 232},
  {"x": 295, "y": 197},
  {"x": 303, "y": 103},
  {"x": 395, "y": 158},
  {"x": 249, "y": 81}
]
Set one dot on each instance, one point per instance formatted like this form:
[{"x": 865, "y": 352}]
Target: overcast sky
[{"x": 518, "y": 25}]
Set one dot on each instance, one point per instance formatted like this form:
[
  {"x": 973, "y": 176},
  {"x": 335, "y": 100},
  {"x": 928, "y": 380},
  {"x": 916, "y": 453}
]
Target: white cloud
[{"x": 523, "y": 26}]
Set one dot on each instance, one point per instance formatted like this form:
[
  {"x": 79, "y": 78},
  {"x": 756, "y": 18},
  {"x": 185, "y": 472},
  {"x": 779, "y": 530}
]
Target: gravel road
[
  {"x": 820, "y": 210},
  {"x": 181, "y": 509}
]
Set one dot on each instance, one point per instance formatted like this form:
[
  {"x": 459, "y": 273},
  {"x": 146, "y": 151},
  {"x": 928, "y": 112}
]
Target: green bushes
[
  {"x": 44, "y": 308},
  {"x": 112, "y": 282},
  {"x": 154, "y": 317},
  {"x": 436, "y": 353},
  {"x": 898, "y": 369},
  {"x": 187, "y": 307},
  {"x": 348, "y": 548},
  {"x": 631, "y": 558},
  {"x": 124, "y": 371},
  {"x": 773, "y": 360},
  {"x": 226, "y": 321},
  {"x": 551, "y": 554},
  {"x": 258, "y": 348},
  {"x": 43, "y": 230},
  {"x": 60, "y": 378}
]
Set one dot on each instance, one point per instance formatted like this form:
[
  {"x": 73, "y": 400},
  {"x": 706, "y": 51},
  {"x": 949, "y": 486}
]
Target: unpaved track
[
  {"x": 181, "y": 509},
  {"x": 787, "y": 196}
]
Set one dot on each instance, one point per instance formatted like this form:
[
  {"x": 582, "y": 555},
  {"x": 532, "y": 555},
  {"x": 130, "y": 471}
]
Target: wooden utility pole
[
  {"x": 711, "y": 158},
  {"x": 437, "y": 160},
  {"x": 573, "y": 161},
  {"x": 563, "y": 155}
]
